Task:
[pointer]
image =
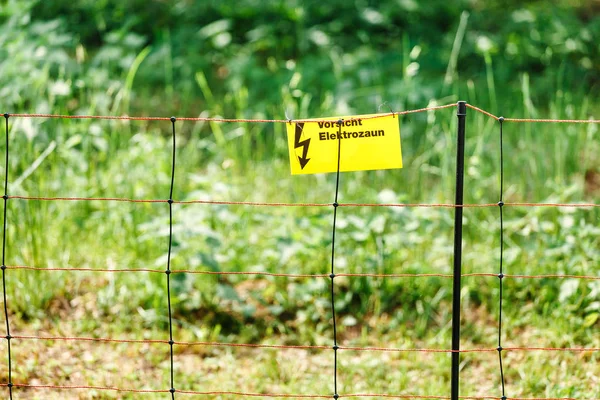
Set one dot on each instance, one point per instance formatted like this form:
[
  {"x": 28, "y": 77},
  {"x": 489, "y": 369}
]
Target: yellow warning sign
[{"x": 364, "y": 143}]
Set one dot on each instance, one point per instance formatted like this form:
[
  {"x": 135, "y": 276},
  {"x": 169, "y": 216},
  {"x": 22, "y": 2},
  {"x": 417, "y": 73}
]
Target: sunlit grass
[
  {"x": 133, "y": 161},
  {"x": 248, "y": 162}
]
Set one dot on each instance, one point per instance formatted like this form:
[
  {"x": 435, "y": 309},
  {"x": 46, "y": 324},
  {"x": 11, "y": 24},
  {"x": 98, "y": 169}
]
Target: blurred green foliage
[
  {"x": 291, "y": 58},
  {"x": 357, "y": 54}
]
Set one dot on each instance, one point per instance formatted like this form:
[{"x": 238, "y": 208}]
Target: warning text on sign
[{"x": 364, "y": 142}]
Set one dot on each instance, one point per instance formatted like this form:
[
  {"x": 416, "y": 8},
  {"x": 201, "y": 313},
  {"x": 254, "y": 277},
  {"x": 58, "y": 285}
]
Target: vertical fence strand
[
  {"x": 501, "y": 267},
  {"x": 168, "y": 271},
  {"x": 332, "y": 275},
  {"x": 5, "y": 197}
]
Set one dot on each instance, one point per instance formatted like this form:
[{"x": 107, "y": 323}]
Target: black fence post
[{"x": 458, "y": 220}]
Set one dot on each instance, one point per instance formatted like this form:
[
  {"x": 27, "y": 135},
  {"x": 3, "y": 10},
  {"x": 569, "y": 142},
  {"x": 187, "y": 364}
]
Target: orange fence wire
[
  {"x": 262, "y": 120},
  {"x": 273, "y": 395},
  {"x": 269, "y": 204},
  {"x": 291, "y": 275},
  {"x": 335, "y": 204}
]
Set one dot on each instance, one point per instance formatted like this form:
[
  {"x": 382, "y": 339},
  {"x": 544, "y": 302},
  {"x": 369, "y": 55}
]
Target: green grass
[
  {"x": 248, "y": 162},
  {"x": 132, "y": 160}
]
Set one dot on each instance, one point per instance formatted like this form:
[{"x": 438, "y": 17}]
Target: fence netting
[{"x": 13, "y": 339}]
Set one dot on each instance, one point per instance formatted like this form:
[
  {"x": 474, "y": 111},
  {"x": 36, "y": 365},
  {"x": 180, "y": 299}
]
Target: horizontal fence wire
[
  {"x": 213, "y": 119},
  {"x": 300, "y": 347},
  {"x": 273, "y": 395},
  {"x": 265, "y": 204},
  {"x": 260, "y": 120},
  {"x": 285, "y": 275},
  {"x": 335, "y": 204},
  {"x": 563, "y": 121}
]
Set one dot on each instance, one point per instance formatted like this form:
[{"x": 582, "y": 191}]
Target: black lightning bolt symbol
[{"x": 304, "y": 144}]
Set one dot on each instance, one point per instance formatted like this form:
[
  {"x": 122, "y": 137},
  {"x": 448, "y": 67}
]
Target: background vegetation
[{"x": 299, "y": 59}]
